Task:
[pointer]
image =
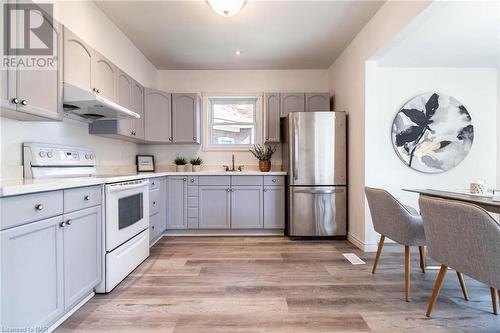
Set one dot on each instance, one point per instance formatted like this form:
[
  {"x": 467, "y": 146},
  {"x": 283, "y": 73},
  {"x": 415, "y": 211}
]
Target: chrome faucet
[{"x": 226, "y": 167}]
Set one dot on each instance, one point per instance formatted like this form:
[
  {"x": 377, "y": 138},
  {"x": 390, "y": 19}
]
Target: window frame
[{"x": 207, "y": 119}]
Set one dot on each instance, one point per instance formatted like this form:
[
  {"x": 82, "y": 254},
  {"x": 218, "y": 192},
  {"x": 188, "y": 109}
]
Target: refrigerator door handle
[
  {"x": 295, "y": 157},
  {"x": 320, "y": 191}
]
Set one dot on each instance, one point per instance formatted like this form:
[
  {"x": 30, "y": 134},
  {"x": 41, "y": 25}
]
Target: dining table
[{"x": 484, "y": 201}]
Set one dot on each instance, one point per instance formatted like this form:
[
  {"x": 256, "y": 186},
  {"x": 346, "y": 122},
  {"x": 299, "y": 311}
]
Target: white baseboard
[
  {"x": 360, "y": 244},
  {"x": 197, "y": 232},
  {"x": 69, "y": 313}
]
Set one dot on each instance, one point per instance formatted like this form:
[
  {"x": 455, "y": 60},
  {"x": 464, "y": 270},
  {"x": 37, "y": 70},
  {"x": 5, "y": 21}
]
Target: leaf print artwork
[{"x": 432, "y": 133}]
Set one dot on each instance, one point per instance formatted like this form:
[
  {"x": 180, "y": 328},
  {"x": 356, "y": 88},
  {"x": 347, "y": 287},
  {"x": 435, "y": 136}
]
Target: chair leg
[
  {"x": 379, "y": 251},
  {"x": 421, "y": 251},
  {"x": 462, "y": 285},
  {"x": 493, "y": 292},
  {"x": 437, "y": 288},
  {"x": 407, "y": 273}
]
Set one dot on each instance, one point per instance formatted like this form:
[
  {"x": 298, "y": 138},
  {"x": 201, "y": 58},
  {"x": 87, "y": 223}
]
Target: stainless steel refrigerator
[{"x": 315, "y": 158}]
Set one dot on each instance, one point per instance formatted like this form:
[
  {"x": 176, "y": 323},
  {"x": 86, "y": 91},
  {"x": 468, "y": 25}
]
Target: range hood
[{"x": 89, "y": 106}]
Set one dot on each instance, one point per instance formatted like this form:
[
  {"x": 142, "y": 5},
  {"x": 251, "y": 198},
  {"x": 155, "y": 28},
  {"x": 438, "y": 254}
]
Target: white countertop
[{"x": 25, "y": 186}]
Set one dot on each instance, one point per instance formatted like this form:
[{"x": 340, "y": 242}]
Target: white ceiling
[
  {"x": 449, "y": 34},
  {"x": 270, "y": 34}
]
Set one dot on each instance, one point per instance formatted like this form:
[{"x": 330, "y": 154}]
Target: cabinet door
[
  {"x": 124, "y": 98},
  {"x": 246, "y": 207},
  {"x": 177, "y": 202},
  {"x": 82, "y": 254},
  {"x": 157, "y": 116},
  {"x": 32, "y": 274},
  {"x": 272, "y": 117},
  {"x": 292, "y": 102},
  {"x": 105, "y": 74},
  {"x": 78, "y": 61},
  {"x": 274, "y": 207},
  {"x": 138, "y": 107},
  {"x": 185, "y": 118},
  {"x": 214, "y": 207},
  {"x": 317, "y": 102}
]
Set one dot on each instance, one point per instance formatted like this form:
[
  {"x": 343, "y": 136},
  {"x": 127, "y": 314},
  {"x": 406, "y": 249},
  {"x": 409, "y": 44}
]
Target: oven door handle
[{"x": 117, "y": 187}]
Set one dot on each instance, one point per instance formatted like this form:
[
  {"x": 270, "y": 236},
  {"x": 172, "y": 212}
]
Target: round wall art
[{"x": 432, "y": 133}]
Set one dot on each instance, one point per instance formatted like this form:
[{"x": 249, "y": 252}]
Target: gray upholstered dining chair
[
  {"x": 464, "y": 237},
  {"x": 403, "y": 225}
]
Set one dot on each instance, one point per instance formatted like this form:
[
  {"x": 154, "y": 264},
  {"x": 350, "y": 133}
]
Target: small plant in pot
[
  {"x": 263, "y": 154},
  {"x": 180, "y": 164},
  {"x": 196, "y": 163}
]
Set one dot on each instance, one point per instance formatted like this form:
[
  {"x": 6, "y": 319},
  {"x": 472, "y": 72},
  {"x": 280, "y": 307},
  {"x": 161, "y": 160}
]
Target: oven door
[{"x": 127, "y": 211}]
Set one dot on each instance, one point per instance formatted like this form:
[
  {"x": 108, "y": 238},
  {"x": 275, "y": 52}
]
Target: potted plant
[
  {"x": 263, "y": 154},
  {"x": 180, "y": 164},
  {"x": 196, "y": 163}
]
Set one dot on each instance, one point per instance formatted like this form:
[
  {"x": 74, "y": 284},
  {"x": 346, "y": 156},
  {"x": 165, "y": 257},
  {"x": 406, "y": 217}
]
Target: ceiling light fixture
[
  {"x": 237, "y": 52},
  {"x": 226, "y": 8}
]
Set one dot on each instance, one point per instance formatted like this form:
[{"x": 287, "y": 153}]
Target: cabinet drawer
[
  {"x": 246, "y": 180},
  {"x": 156, "y": 226},
  {"x": 214, "y": 180},
  {"x": 193, "y": 202},
  {"x": 193, "y": 180},
  {"x": 154, "y": 201},
  {"x": 22, "y": 209},
  {"x": 82, "y": 197},
  {"x": 192, "y": 191},
  {"x": 154, "y": 183},
  {"x": 274, "y": 180}
]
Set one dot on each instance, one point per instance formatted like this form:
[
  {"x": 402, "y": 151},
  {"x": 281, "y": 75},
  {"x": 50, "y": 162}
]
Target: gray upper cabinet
[
  {"x": 274, "y": 207},
  {"x": 186, "y": 118},
  {"x": 124, "y": 89},
  {"x": 158, "y": 116},
  {"x": 246, "y": 207},
  {"x": 137, "y": 125},
  {"x": 82, "y": 254},
  {"x": 105, "y": 74},
  {"x": 32, "y": 274},
  {"x": 317, "y": 102},
  {"x": 214, "y": 207},
  {"x": 78, "y": 61},
  {"x": 22, "y": 96},
  {"x": 292, "y": 102},
  {"x": 272, "y": 117},
  {"x": 177, "y": 202}
]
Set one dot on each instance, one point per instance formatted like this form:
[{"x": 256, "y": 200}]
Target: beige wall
[{"x": 347, "y": 84}]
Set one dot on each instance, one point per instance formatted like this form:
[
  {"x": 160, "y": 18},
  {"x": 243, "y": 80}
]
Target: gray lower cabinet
[
  {"x": 177, "y": 202},
  {"x": 317, "y": 102},
  {"x": 21, "y": 95},
  {"x": 274, "y": 207},
  {"x": 32, "y": 285},
  {"x": 157, "y": 208},
  {"x": 82, "y": 254},
  {"x": 214, "y": 207},
  {"x": 272, "y": 117},
  {"x": 246, "y": 207}
]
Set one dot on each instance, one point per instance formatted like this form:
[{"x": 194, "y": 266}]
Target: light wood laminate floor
[{"x": 273, "y": 284}]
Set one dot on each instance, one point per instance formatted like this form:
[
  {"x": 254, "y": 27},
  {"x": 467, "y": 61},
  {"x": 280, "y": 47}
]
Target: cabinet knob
[
  {"x": 94, "y": 89},
  {"x": 153, "y": 183},
  {"x": 274, "y": 180},
  {"x": 39, "y": 207},
  {"x": 192, "y": 180},
  {"x": 98, "y": 91},
  {"x": 63, "y": 224},
  {"x": 227, "y": 190},
  {"x": 265, "y": 189},
  {"x": 184, "y": 179},
  {"x": 153, "y": 227},
  {"x": 68, "y": 222},
  {"x": 86, "y": 198},
  {"x": 194, "y": 138},
  {"x": 154, "y": 202},
  {"x": 170, "y": 139},
  {"x": 24, "y": 102},
  {"x": 15, "y": 101}
]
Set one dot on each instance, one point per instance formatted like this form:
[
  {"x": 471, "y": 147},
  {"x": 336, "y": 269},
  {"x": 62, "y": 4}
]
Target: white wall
[
  {"x": 347, "y": 84},
  {"x": 231, "y": 81},
  {"x": 87, "y": 21},
  {"x": 388, "y": 89}
]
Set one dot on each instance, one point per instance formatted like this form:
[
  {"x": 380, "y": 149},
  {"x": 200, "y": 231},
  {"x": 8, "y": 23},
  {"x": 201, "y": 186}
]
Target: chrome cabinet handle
[
  {"x": 39, "y": 207},
  {"x": 63, "y": 224},
  {"x": 184, "y": 179},
  {"x": 192, "y": 180},
  {"x": 68, "y": 222},
  {"x": 15, "y": 101},
  {"x": 86, "y": 198},
  {"x": 24, "y": 102}
]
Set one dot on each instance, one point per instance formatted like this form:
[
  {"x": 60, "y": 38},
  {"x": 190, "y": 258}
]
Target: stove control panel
[{"x": 40, "y": 154}]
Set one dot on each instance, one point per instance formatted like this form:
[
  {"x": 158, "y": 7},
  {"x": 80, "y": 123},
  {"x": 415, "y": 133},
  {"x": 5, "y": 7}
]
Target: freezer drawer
[{"x": 317, "y": 211}]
